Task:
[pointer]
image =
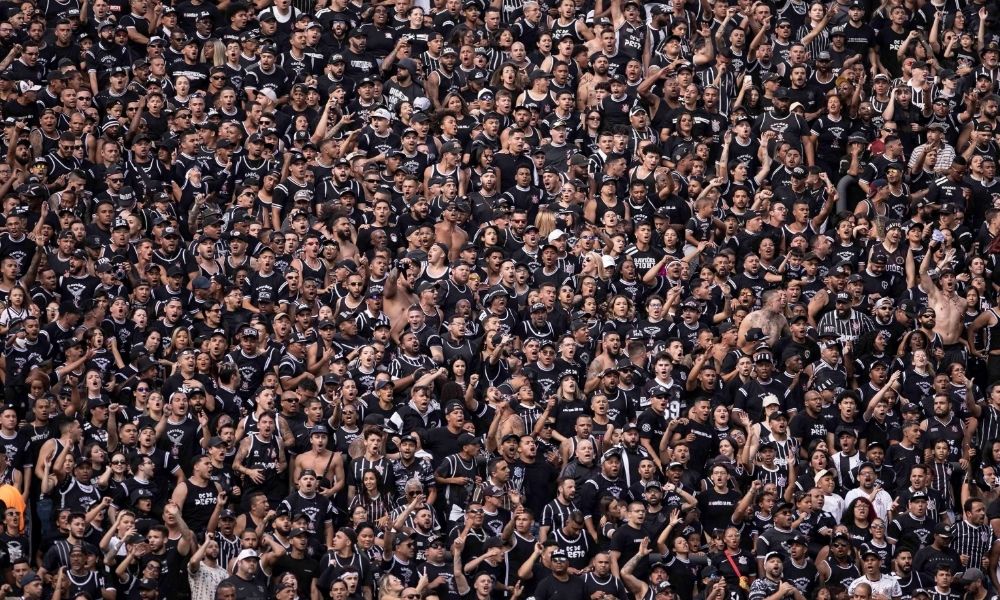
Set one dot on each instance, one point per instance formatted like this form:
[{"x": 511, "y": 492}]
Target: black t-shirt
[
  {"x": 717, "y": 509},
  {"x": 551, "y": 588}
]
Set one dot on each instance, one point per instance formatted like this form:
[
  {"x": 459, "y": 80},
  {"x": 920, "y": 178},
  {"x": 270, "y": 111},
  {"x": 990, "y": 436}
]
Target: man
[
  {"x": 769, "y": 318},
  {"x": 771, "y": 583},
  {"x": 560, "y": 584},
  {"x": 204, "y": 572},
  {"x": 777, "y": 537},
  {"x": 555, "y": 513},
  {"x": 871, "y": 567},
  {"x": 913, "y": 527},
  {"x": 948, "y": 305},
  {"x": 626, "y": 541},
  {"x": 247, "y": 577},
  {"x": 867, "y": 489},
  {"x": 973, "y": 538}
]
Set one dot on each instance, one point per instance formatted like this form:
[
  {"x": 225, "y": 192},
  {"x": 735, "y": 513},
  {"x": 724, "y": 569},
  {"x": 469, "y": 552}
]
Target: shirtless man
[
  {"x": 329, "y": 465},
  {"x": 344, "y": 232},
  {"x": 769, "y": 318},
  {"x": 399, "y": 294},
  {"x": 947, "y": 304},
  {"x": 449, "y": 232}
]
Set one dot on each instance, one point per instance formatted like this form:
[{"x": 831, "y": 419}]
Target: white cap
[
  {"x": 770, "y": 399},
  {"x": 421, "y": 103},
  {"x": 27, "y": 86},
  {"x": 821, "y": 474},
  {"x": 248, "y": 553},
  {"x": 556, "y": 234},
  {"x": 381, "y": 113},
  {"x": 609, "y": 261}
]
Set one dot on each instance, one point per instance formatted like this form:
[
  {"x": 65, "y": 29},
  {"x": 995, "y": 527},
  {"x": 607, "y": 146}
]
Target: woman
[
  {"x": 857, "y": 518},
  {"x": 481, "y": 159},
  {"x": 180, "y": 340},
  {"x": 628, "y": 284},
  {"x": 570, "y": 404},
  {"x": 376, "y": 504},
  {"x": 722, "y": 423},
  {"x": 117, "y": 473},
  {"x": 182, "y": 89},
  {"x": 818, "y": 461},
  {"x": 105, "y": 354},
  {"x": 918, "y": 376},
  {"x": 602, "y": 429},
  {"x": 465, "y": 123},
  {"x": 619, "y": 316},
  {"x": 458, "y": 372},
  {"x": 673, "y": 246},
  {"x": 363, "y": 371},
  {"x": 733, "y": 561},
  {"x": 830, "y": 136},
  {"x": 590, "y": 127},
  {"x": 683, "y": 572},
  {"x": 391, "y": 587},
  {"x": 508, "y": 78},
  {"x": 881, "y": 544}
]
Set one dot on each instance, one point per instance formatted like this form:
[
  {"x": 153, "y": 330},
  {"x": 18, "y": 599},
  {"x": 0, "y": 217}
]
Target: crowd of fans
[{"x": 610, "y": 300}]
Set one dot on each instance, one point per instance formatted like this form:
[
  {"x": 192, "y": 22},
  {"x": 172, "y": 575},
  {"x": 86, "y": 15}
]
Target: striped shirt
[
  {"x": 989, "y": 425},
  {"x": 851, "y": 328},
  {"x": 971, "y": 540},
  {"x": 555, "y": 514},
  {"x": 945, "y": 156},
  {"x": 940, "y": 475},
  {"x": 228, "y": 548},
  {"x": 820, "y": 43}
]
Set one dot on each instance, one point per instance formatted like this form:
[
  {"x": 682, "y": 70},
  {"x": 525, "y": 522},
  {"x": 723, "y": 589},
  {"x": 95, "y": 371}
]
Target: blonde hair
[{"x": 545, "y": 221}]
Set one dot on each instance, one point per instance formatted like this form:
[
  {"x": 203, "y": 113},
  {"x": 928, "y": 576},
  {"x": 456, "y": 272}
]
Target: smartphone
[{"x": 937, "y": 236}]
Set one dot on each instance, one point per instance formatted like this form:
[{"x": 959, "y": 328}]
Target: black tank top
[
  {"x": 993, "y": 333},
  {"x": 263, "y": 455},
  {"x": 319, "y": 273},
  {"x": 559, "y": 31},
  {"x": 198, "y": 505},
  {"x": 842, "y": 575},
  {"x": 230, "y": 269},
  {"x": 618, "y": 209}
]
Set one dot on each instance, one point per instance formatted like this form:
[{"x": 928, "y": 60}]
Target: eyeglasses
[{"x": 116, "y": 179}]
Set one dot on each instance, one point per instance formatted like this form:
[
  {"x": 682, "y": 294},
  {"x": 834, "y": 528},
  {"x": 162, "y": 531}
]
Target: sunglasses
[{"x": 118, "y": 462}]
